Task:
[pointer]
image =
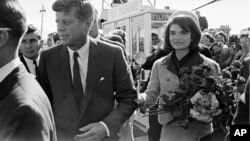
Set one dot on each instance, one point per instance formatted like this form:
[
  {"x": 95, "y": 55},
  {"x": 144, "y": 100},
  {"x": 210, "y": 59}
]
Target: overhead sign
[
  {"x": 160, "y": 16},
  {"x": 124, "y": 9}
]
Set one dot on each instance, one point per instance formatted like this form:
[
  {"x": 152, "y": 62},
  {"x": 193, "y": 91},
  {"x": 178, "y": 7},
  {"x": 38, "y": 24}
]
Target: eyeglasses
[{"x": 5, "y": 29}]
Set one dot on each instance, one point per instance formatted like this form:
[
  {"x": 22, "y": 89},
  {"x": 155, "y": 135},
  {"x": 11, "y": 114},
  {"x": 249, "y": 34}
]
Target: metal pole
[
  {"x": 205, "y": 4},
  {"x": 42, "y": 11}
]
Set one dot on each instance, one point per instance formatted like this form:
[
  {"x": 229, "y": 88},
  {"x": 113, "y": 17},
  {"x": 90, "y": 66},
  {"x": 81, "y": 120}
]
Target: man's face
[
  {"x": 205, "y": 41},
  {"x": 220, "y": 38},
  {"x": 155, "y": 40},
  {"x": 50, "y": 40},
  {"x": 30, "y": 46},
  {"x": 71, "y": 30}
]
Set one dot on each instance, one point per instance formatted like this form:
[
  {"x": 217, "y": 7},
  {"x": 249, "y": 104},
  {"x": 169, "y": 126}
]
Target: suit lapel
[
  {"x": 64, "y": 67},
  {"x": 24, "y": 62},
  {"x": 92, "y": 73}
]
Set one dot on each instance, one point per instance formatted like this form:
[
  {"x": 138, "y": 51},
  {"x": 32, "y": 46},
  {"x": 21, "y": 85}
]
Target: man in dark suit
[
  {"x": 83, "y": 77},
  {"x": 30, "y": 46},
  {"x": 202, "y": 21},
  {"x": 26, "y": 112}
]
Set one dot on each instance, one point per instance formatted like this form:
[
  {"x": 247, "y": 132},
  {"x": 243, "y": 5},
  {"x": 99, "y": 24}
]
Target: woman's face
[
  {"x": 179, "y": 38},
  {"x": 220, "y": 38},
  {"x": 205, "y": 41},
  {"x": 216, "y": 49}
]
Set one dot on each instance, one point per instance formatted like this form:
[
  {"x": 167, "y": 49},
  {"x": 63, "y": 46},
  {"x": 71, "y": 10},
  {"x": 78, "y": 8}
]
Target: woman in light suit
[{"x": 183, "y": 35}]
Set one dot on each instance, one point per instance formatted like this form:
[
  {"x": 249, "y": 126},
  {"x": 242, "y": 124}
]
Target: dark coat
[
  {"x": 203, "y": 23},
  {"x": 245, "y": 71},
  {"x": 242, "y": 114},
  {"x": 26, "y": 112},
  {"x": 107, "y": 73}
]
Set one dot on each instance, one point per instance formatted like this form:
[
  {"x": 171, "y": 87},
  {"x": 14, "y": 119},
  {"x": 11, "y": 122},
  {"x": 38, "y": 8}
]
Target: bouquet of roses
[{"x": 204, "y": 97}]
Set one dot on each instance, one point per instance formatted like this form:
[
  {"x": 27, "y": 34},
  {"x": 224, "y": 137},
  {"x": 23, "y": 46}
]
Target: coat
[
  {"x": 164, "y": 80},
  {"x": 26, "y": 113},
  {"x": 108, "y": 79}
]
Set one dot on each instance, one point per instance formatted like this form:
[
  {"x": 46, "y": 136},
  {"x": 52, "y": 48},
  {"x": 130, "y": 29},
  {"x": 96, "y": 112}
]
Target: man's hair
[
  {"x": 120, "y": 33},
  {"x": 33, "y": 29},
  {"x": 115, "y": 38},
  {"x": 55, "y": 37},
  {"x": 83, "y": 8},
  {"x": 12, "y": 16}
]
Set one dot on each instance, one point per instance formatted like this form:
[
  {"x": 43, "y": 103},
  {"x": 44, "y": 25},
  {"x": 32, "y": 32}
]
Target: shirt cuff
[{"x": 106, "y": 128}]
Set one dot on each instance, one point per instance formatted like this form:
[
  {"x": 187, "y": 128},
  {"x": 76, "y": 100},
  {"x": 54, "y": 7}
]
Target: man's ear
[
  {"x": 89, "y": 22},
  {"x": 4, "y": 35}
]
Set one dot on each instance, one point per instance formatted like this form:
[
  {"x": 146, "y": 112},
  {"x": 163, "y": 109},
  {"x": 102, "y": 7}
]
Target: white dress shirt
[
  {"x": 8, "y": 68},
  {"x": 83, "y": 65},
  {"x": 31, "y": 65},
  {"x": 83, "y": 59}
]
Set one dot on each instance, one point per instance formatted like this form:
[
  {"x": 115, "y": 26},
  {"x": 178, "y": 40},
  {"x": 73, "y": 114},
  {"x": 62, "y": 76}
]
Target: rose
[{"x": 226, "y": 74}]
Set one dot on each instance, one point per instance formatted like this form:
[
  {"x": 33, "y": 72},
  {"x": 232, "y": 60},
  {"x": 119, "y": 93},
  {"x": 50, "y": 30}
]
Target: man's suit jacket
[
  {"x": 108, "y": 79},
  {"x": 26, "y": 112},
  {"x": 203, "y": 23}
]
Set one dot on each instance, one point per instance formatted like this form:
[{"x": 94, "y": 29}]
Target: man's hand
[{"x": 91, "y": 132}]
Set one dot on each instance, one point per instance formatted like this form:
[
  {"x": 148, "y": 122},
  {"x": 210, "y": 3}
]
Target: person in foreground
[
  {"x": 83, "y": 77},
  {"x": 26, "y": 113},
  {"x": 29, "y": 47},
  {"x": 183, "y": 35},
  {"x": 242, "y": 114}
]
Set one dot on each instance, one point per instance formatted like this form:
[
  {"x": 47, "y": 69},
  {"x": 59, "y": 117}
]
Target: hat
[{"x": 185, "y": 13}]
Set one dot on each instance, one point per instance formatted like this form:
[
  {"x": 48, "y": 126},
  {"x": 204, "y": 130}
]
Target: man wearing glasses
[
  {"x": 26, "y": 113},
  {"x": 29, "y": 48}
]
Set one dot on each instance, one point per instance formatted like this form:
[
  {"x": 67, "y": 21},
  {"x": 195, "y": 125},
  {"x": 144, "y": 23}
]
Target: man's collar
[
  {"x": 6, "y": 69},
  {"x": 29, "y": 60},
  {"x": 81, "y": 50}
]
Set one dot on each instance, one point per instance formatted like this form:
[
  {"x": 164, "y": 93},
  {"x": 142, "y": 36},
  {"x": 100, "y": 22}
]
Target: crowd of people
[{"x": 82, "y": 86}]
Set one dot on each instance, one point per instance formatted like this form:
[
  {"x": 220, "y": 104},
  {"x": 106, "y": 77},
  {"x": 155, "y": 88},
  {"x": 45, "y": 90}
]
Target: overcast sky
[{"x": 235, "y": 13}]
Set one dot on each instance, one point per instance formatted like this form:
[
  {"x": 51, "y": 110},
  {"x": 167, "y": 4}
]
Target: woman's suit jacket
[
  {"x": 164, "y": 81},
  {"x": 108, "y": 79}
]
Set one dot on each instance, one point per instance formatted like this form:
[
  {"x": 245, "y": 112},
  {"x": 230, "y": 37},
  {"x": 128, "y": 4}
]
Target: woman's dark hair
[
  {"x": 233, "y": 38},
  {"x": 188, "y": 25}
]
